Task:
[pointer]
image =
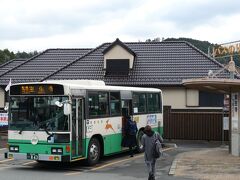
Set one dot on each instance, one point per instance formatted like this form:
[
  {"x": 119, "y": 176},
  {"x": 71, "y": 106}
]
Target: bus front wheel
[{"x": 93, "y": 152}]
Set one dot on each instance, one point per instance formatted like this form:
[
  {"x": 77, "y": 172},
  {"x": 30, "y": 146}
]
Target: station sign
[{"x": 226, "y": 49}]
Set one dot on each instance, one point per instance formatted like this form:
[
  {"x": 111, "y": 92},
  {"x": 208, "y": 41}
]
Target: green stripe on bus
[{"x": 111, "y": 145}]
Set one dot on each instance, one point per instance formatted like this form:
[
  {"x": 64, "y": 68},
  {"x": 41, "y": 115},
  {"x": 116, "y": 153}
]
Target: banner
[{"x": 3, "y": 119}]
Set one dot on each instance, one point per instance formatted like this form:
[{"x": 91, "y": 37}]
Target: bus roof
[{"x": 91, "y": 84}]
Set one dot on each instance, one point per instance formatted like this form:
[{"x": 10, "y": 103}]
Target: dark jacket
[{"x": 130, "y": 134}]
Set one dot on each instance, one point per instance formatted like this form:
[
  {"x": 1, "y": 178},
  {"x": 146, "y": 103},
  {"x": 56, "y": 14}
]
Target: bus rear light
[{"x": 67, "y": 148}]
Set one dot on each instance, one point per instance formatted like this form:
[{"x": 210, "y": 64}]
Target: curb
[
  {"x": 170, "y": 145},
  {"x": 173, "y": 168}
]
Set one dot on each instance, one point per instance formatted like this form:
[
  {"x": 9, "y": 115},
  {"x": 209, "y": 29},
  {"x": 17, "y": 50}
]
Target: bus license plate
[{"x": 32, "y": 156}]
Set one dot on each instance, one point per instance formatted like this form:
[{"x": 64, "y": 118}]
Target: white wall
[
  {"x": 117, "y": 52},
  {"x": 174, "y": 97},
  {"x": 2, "y": 98}
]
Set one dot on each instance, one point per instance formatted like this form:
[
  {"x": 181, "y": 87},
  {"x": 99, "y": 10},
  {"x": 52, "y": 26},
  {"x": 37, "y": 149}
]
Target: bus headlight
[
  {"x": 14, "y": 148},
  {"x": 57, "y": 150}
]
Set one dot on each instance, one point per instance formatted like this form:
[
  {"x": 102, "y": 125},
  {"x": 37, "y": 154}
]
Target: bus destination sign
[{"x": 37, "y": 89}]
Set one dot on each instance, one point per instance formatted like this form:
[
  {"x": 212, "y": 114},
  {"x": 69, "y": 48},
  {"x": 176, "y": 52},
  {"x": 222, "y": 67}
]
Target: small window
[
  {"x": 98, "y": 104},
  {"x": 117, "y": 66},
  {"x": 139, "y": 103},
  {"x": 208, "y": 99},
  {"x": 153, "y": 103},
  {"x": 115, "y": 103}
]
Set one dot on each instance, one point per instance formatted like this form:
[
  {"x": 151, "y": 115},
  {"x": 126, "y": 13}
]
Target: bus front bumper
[{"x": 37, "y": 157}]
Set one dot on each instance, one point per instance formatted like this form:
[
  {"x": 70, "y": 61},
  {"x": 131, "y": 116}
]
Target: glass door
[{"x": 77, "y": 126}]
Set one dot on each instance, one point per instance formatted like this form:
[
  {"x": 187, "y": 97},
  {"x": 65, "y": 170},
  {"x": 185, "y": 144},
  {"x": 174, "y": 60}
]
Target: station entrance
[{"x": 226, "y": 86}]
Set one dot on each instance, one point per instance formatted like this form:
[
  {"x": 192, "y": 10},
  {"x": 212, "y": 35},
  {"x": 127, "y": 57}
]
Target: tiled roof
[
  {"x": 156, "y": 64},
  {"x": 41, "y": 65},
  {"x": 10, "y": 64},
  {"x": 120, "y": 43}
]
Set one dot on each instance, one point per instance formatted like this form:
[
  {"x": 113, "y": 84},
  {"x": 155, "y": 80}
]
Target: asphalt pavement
[{"x": 190, "y": 160}]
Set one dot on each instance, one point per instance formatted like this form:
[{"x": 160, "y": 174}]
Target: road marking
[
  {"x": 112, "y": 163},
  {"x": 74, "y": 173},
  {"x": 3, "y": 149},
  {"x": 6, "y": 160},
  {"x": 31, "y": 162}
]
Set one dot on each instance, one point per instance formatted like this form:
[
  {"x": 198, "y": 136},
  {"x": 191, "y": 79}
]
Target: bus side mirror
[
  {"x": 58, "y": 104},
  {"x": 66, "y": 106},
  {"x": 6, "y": 107},
  {"x": 67, "y": 109}
]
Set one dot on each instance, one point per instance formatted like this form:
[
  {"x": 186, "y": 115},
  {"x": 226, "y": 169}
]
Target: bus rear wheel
[{"x": 93, "y": 152}]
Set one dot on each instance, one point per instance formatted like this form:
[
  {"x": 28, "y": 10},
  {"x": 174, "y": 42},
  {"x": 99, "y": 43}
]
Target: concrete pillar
[{"x": 235, "y": 129}]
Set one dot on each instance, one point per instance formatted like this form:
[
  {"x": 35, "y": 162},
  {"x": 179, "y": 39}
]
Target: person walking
[
  {"x": 148, "y": 140},
  {"x": 130, "y": 135}
]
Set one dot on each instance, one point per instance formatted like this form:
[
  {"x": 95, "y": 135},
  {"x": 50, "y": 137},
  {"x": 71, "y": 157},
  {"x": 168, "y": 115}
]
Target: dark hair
[{"x": 147, "y": 129}]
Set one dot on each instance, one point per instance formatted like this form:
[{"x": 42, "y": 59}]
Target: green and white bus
[{"x": 70, "y": 120}]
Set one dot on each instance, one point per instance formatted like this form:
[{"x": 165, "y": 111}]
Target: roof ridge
[
  {"x": 79, "y": 58},
  {"x": 203, "y": 53},
  {"x": 155, "y": 42},
  {"x": 5, "y": 63},
  {"x": 23, "y": 62},
  {"x": 120, "y": 43},
  {"x": 10, "y": 61},
  {"x": 69, "y": 48}
]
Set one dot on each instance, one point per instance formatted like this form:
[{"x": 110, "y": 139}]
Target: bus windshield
[{"x": 37, "y": 113}]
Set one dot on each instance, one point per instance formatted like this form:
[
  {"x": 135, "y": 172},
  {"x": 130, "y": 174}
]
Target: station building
[{"x": 141, "y": 64}]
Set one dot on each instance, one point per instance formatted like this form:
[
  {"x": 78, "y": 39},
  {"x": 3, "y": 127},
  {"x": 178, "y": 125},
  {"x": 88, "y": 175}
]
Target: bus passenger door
[
  {"x": 77, "y": 127},
  {"x": 126, "y": 111}
]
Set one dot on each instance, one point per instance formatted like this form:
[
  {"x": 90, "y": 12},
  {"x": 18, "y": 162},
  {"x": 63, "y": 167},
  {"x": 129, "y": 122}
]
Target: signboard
[
  {"x": 3, "y": 119},
  {"x": 152, "y": 119},
  {"x": 235, "y": 111},
  {"x": 226, "y": 49},
  {"x": 225, "y": 123},
  {"x": 37, "y": 89}
]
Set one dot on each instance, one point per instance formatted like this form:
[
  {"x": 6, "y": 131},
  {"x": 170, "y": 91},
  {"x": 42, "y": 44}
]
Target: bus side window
[
  {"x": 98, "y": 104},
  {"x": 115, "y": 103}
]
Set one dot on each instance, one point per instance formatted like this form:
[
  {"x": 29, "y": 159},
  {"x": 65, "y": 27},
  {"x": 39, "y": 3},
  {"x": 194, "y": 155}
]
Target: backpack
[{"x": 157, "y": 147}]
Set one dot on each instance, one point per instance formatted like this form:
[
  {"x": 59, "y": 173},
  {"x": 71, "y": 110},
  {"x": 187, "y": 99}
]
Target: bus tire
[
  {"x": 139, "y": 141},
  {"x": 94, "y": 152}
]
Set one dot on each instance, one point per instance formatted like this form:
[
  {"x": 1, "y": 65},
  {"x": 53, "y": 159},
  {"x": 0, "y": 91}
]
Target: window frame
[
  {"x": 159, "y": 94},
  {"x": 120, "y": 104},
  {"x": 109, "y": 114},
  {"x": 145, "y": 112}
]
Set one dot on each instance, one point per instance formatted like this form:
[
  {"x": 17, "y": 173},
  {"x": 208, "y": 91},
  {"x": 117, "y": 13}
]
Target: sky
[{"x": 28, "y": 25}]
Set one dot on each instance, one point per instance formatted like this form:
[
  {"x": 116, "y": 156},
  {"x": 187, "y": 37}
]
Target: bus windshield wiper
[
  {"x": 48, "y": 133},
  {"x": 21, "y": 130}
]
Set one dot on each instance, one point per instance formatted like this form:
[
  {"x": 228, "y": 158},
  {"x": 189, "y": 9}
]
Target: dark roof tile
[
  {"x": 156, "y": 63},
  {"x": 162, "y": 63},
  {"x": 41, "y": 65}
]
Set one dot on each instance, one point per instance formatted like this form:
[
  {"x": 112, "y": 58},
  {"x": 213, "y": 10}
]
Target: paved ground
[
  {"x": 190, "y": 160},
  {"x": 208, "y": 164}
]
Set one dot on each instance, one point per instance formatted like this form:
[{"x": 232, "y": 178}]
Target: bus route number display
[{"x": 36, "y": 89}]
